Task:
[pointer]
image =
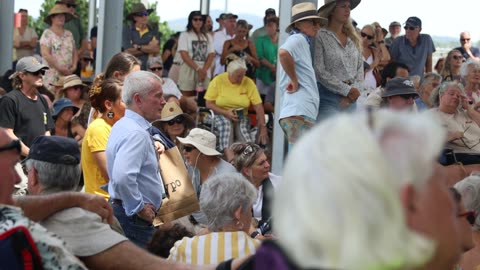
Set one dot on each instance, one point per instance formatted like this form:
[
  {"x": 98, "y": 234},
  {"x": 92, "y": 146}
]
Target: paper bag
[{"x": 181, "y": 198}]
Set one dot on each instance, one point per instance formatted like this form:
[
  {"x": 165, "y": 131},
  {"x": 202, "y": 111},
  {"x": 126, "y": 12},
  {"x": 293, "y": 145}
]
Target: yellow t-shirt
[
  {"x": 232, "y": 96},
  {"x": 95, "y": 140}
]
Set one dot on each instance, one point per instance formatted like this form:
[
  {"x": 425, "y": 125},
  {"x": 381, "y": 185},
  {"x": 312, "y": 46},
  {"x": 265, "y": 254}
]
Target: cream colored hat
[
  {"x": 170, "y": 111},
  {"x": 58, "y": 82},
  {"x": 304, "y": 11},
  {"x": 327, "y": 8},
  {"x": 203, "y": 140},
  {"x": 73, "y": 80},
  {"x": 58, "y": 9}
]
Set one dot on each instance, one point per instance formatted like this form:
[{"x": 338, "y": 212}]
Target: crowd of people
[{"x": 382, "y": 145}]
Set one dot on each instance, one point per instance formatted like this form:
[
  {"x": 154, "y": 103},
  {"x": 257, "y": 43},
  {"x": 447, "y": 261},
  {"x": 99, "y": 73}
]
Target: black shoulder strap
[{"x": 267, "y": 189}]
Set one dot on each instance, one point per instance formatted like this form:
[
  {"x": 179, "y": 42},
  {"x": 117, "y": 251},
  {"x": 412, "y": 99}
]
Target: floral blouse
[
  {"x": 61, "y": 48},
  {"x": 51, "y": 248}
]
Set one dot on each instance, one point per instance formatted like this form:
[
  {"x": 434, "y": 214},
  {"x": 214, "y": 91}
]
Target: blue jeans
[
  {"x": 330, "y": 103},
  {"x": 136, "y": 229}
]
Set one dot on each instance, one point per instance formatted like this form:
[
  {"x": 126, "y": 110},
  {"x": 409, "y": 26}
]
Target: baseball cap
[
  {"x": 230, "y": 16},
  {"x": 270, "y": 11},
  {"x": 414, "y": 21},
  {"x": 394, "y": 23},
  {"x": 29, "y": 64},
  {"x": 55, "y": 149},
  {"x": 399, "y": 86}
]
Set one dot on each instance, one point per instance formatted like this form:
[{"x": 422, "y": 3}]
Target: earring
[{"x": 110, "y": 114}]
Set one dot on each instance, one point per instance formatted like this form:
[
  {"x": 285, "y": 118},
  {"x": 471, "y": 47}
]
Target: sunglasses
[
  {"x": 470, "y": 216},
  {"x": 15, "y": 144},
  {"x": 37, "y": 73},
  {"x": 70, "y": 6},
  {"x": 156, "y": 68},
  {"x": 464, "y": 39},
  {"x": 407, "y": 97},
  {"x": 197, "y": 19},
  {"x": 141, "y": 14},
  {"x": 188, "y": 148},
  {"x": 457, "y": 57},
  {"x": 177, "y": 120},
  {"x": 369, "y": 37},
  {"x": 411, "y": 28}
]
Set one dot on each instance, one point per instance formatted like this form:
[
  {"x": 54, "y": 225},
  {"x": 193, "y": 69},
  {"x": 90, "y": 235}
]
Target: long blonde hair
[{"x": 349, "y": 30}]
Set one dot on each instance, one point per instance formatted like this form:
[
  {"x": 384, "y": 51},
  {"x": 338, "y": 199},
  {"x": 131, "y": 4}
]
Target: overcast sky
[{"x": 439, "y": 17}]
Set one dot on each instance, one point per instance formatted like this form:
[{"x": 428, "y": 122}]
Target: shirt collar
[
  {"x": 295, "y": 31},
  {"x": 137, "y": 118}
]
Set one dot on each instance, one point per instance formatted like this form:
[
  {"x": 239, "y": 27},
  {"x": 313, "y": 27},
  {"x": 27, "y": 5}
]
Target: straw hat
[
  {"x": 170, "y": 111},
  {"x": 327, "y": 8},
  {"x": 304, "y": 11},
  {"x": 73, "y": 80},
  {"x": 58, "y": 9},
  {"x": 138, "y": 8},
  {"x": 58, "y": 82},
  {"x": 203, "y": 140}
]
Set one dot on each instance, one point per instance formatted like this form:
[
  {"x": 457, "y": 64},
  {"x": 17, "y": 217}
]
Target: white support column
[
  {"x": 6, "y": 42},
  {"x": 110, "y": 25}
]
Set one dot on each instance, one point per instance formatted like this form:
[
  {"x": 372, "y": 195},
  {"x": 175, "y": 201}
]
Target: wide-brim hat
[
  {"x": 170, "y": 111},
  {"x": 28, "y": 64},
  {"x": 203, "y": 140},
  {"x": 58, "y": 82},
  {"x": 73, "y": 80},
  {"x": 58, "y": 9},
  {"x": 398, "y": 87},
  {"x": 304, "y": 11},
  {"x": 62, "y": 104},
  {"x": 137, "y": 8},
  {"x": 327, "y": 8}
]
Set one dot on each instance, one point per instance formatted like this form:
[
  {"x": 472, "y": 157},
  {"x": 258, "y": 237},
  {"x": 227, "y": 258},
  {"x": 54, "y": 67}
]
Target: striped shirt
[{"x": 213, "y": 248}]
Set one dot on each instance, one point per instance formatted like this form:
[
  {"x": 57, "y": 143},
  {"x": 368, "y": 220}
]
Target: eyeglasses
[
  {"x": 457, "y": 57},
  {"x": 156, "y": 68},
  {"x": 15, "y": 144},
  {"x": 464, "y": 39},
  {"x": 177, "y": 120},
  {"x": 411, "y": 28},
  {"x": 141, "y": 14},
  {"x": 70, "y": 6},
  {"x": 37, "y": 73},
  {"x": 188, "y": 148},
  {"x": 197, "y": 19},
  {"x": 369, "y": 37},
  {"x": 470, "y": 216}
]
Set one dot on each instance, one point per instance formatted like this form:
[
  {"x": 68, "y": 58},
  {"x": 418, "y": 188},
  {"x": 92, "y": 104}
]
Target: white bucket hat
[
  {"x": 304, "y": 11},
  {"x": 203, "y": 140}
]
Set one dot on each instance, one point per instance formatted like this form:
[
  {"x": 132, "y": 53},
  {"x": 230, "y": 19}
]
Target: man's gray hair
[
  {"x": 428, "y": 78},
  {"x": 154, "y": 60},
  {"x": 470, "y": 189},
  {"x": 222, "y": 195},
  {"x": 56, "y": 177},
  {"x": 465, "y": 66},
  {"x": 138, "y": 82}
]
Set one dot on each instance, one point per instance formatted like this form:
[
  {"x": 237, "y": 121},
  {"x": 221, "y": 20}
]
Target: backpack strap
[{"x": 18, "y": 250}]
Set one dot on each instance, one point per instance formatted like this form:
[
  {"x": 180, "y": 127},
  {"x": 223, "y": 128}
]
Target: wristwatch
[{"x": 139, "y": 47}]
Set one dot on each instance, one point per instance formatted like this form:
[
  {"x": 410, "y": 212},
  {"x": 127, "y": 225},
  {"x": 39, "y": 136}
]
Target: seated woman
[
  {"x": 251, "y": 161},
  {"x": 227, "y": 201},
  {"x": 174, "y": 123},
  {"x": 470, "y": 72},
  {"x": 203, "y": 162},
  {"x": 73, "y": 89},
  {"x": 451, "y": 68},
  {"x": 469, "y": 189},
  {"x": 461, "y": 121},
  {"x": 229, "y": 95},
  {"x": 63, "y": 112}
]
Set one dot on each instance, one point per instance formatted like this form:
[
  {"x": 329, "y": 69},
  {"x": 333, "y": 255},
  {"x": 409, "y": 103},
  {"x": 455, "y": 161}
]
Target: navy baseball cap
[
  {"x": 55, "y": 149},
  {"x": 414, "y": 21}
]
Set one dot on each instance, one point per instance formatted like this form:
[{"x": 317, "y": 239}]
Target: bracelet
[{"x": 254, "y": 234}]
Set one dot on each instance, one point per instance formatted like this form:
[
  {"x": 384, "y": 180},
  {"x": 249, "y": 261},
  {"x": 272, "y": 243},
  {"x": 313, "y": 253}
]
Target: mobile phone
[{"x": 239, "y": 113}]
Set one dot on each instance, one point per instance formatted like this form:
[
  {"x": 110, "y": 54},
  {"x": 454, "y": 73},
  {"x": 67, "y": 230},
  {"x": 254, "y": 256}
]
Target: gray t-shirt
[{"x": 222, "y": 167}]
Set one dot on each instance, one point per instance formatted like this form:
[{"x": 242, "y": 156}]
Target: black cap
[
  {"x": 414, "y": 21},
  {"x": 399, "y": 86},
  {"x": 270, "y": 11},
  {"x": 55, "y": 149}
]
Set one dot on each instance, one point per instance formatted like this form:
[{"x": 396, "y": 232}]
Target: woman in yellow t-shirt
[{"x": 229, "y": 95}]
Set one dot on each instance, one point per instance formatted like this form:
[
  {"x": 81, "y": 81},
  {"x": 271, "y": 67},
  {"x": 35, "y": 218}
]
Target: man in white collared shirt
[{"x": 220, "y": 37}]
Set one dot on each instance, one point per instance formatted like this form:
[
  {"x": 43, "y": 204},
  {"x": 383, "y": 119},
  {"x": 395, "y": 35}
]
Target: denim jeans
[
  {"x": 136, "y": 229},
  {"x": 330, "y": 103}
]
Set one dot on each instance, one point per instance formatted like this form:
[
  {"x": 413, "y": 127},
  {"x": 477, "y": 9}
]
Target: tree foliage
[{"x": 82, "y": 11}]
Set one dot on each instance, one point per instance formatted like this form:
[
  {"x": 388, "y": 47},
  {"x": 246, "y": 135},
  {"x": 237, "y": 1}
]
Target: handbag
[{"x": 181, "y": 199}]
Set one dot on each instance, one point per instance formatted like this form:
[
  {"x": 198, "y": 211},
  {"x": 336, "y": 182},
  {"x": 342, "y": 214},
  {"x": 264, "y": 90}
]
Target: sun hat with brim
[
  {"x": 327, "y": 8},
  {"x": 138, "y": 8},
  {"x": 399, "y": 87},
  {"x": 59, "y": 82},
  {"x": 62, "y": 104},
  {"x": 73, "y": 80},
  {"x": 28, "y": 64},
  {"x": 203, "y": 140},
  {"x": 170, "y": 111},
  {"x": 304, "y": 11},
  {"x": 58, "y": 9}
]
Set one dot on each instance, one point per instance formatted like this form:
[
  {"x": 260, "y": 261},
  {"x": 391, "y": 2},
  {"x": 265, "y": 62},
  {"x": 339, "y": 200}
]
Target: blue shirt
[
  {"x": 132, "y": 164},
  {"x": 414, "y": 57},
  {"x": 305, "y": 101},
  {"x": 421, "y": 106}
]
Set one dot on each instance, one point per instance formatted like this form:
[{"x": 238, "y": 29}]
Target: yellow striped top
[{"x": 213, "y": 248}]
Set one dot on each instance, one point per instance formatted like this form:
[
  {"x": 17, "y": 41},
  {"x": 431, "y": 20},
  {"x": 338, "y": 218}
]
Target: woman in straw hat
[
  {"x": 58, "y": 46},
  {"x": 73, "y": 89},
  {"x": 174, "y": 122},
  {"x": 297, "y": 78},
  {"x": 338, "y": 59}
]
